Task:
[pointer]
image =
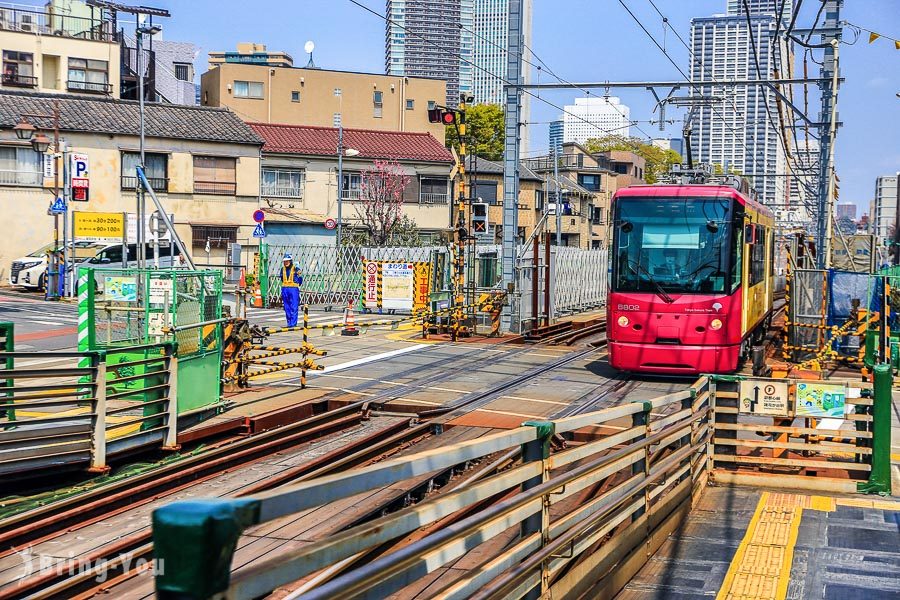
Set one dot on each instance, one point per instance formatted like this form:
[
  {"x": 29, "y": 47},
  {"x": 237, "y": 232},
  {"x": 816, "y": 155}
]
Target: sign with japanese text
[
  {"x": 764, "y": 397},
  {"x": 161, "y": 291},
  {"x": 79, "y": 170},
  {"x": 397, "y": 285},
  {"x": 821, "y": 400},
  {"x": 371, "y": 285},
  {"x": 422, "y": 292},
  {"x": 99, "y": 226}
]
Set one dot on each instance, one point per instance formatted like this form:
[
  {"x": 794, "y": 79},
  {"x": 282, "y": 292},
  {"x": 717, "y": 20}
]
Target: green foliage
[
  {"x": 658, "y": 160},
  {"x": 484, "y": 130}
]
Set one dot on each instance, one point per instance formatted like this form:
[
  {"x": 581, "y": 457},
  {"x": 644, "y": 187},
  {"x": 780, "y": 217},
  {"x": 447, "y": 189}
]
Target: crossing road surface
[
  {"x": 274, "y": 317},
  {"x": 40, "y": 325}
]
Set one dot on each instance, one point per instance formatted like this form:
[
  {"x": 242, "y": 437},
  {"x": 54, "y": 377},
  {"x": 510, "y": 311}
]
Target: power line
[{"x": 390, "y": 21}]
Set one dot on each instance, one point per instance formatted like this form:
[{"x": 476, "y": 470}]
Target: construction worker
[{"x": 290, "y": 290}]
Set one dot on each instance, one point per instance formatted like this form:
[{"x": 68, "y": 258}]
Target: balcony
[
  {"x": 221, "y": 188},
  {"x": 89, "y": 87},
  {"x": 282, "y": 191},
  {"x": 16, "y": 80},
  {"x": 352, "y": 195},
  {"x": 38, "y": 22},
  {"x": 427, "y": 198},
  {"x": 159, "y": 184},
  {"x": 14, "y": 177}
]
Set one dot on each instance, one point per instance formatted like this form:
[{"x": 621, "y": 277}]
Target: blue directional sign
[
  {"x": 58, "y": 207},
  {"x": 259, "y": 231}
]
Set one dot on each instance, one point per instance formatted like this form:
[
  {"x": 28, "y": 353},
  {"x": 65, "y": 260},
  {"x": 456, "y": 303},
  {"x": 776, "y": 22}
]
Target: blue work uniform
[{"x": 290, "y": 293}]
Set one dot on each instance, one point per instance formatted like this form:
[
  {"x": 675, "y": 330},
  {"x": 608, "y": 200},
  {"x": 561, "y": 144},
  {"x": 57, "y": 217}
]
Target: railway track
[{"x": 126, "y": 557}]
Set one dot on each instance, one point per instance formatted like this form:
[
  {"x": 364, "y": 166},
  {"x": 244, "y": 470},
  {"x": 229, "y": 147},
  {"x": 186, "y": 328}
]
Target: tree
[
  {"x": 484, "y": 130},
  {"x": 658, "y": 160},
  {"x": 381, "y": 199}
]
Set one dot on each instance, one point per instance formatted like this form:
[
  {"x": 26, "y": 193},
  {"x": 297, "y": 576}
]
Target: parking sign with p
[{"x": 79, "y": 176}]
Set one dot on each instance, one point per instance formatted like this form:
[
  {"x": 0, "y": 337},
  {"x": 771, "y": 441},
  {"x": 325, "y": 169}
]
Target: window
[
  {"x": 757, "y": 255},
  {"x": 214, "y": 175},
  {"x": 410, "y": 105},
  {"x": 183, "y": 72},
  {"x": 218, "y": 236},
  {"x": 486, "y": 191},
  {"x": 282, "y": 183},
  {"x": 295, "y": 96},
  {"x": 155, "y": 170},
  {"x": 88, "y": 75},
  {"x": 351, "y": 186},
  {"x": 538, "y": 199},
  {"x": 20, "y": 166},
  {"x": 597, "y": 215},
  {"x": 433, "y": 190},
  {"x": 589, "y": 182},
  {"x": 248, "y": 89},
  {"x": 18, "y": 69},
  {"x": 377, "y": 98}
]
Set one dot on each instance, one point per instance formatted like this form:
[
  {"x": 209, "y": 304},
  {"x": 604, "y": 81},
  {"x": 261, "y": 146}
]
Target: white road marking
[
  {"x": 57, "y": 323},
  {"x": 373, "y": 358}
]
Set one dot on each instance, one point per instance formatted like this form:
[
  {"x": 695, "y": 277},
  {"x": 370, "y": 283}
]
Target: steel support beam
[
  {"x": 666, "y": 84},
  {"x": 514, "y": 51},
  {"x": 830, "y": 31}
]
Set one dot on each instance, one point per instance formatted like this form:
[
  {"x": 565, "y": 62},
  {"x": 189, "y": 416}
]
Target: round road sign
[
  {"x": 372, "y": 268},
  {"x": 259, "y": 216},
  {"x": 330, "y": 223}
]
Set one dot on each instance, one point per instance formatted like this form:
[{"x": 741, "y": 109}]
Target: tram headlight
[
  {"x": 623, "y": 321},
  {"x": 716, "y": 324}
]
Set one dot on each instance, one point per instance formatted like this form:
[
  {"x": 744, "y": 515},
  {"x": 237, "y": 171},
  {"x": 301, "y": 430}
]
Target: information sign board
[
  {"x": 102, "y": 227},
  {"x": 397, "y": 285},
  {"x": 821, "y": 399},
  {"x": 764, "y": 397}
]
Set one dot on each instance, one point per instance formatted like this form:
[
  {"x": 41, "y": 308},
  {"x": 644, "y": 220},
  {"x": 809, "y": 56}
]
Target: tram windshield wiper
[{"x": 659, "y": 289}]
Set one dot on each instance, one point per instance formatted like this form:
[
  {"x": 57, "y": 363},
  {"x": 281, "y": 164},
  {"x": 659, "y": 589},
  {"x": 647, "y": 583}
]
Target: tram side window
[
  {"x": 737, "y": 267},
  {"x": 758, "y": 256}
]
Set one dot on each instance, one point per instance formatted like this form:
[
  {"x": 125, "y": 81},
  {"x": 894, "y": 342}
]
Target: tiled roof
[
  {"x": 494, "y": 168},
  {"x": 108, "y": 115},
  {"x": 322, "y": 141}
]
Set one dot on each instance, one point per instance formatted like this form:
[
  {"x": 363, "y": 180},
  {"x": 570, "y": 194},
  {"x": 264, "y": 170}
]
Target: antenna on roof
[{"x": 308, "y": 47}]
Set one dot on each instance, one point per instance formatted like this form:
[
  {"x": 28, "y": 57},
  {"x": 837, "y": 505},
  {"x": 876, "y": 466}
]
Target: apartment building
[
  {"x": 249, "y": 53},
  {"x": 202, "y": 162},
  {"x": 313, "y": 97},
  {"x": 884, "y": 207},
  {"x": 47, "y": 50},
  {"x": 300, "y": 177},
  {"x": 486, "y": 187}
]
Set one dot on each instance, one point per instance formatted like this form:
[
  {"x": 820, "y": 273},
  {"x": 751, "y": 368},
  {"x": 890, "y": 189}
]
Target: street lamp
[
  {"x": 40, "y": 143},
  {"x": 24, "y": 130}
]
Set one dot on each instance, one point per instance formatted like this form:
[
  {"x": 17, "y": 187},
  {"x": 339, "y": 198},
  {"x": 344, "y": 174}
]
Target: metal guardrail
[
  {"x": 654, "y": 465},
  {"x": 74, "y": 410},
  {"x": 636, "y": 478}
]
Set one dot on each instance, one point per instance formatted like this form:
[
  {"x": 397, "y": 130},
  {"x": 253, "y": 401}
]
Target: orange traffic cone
[
  {"x": 243, "y": 281},
  {"x": 349, "y": 321},
  {"x": 257, "y": 298}
]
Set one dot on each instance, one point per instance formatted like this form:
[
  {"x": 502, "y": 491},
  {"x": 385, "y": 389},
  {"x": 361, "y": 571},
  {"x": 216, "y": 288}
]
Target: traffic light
[
  {"x": 462, "y": 233},
  {"x": 448, "y": 117},
  {"x": 434, "y": 115},
  {"x": 439, "y": 115},
  {"x": 479, "y": 218}
]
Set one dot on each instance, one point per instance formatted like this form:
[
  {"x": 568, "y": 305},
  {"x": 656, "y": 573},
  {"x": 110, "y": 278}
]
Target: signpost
[
  {"x": 330, "y": 223},
  {"x": 764, "y": 397},
  {"x": 79, "y": 176},
  {"x": 259, "y": 231},
  {"x": 371, "y": 285},
  {"x": 259, "y": 216},
  {"x": 397, "y": 286},
  {"x": 57, "y": 207},
  {"x": 102, "y": 227}
]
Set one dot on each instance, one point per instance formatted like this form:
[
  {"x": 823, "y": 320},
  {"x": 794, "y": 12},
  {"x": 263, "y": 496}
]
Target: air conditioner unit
[{"x": 26, "y": 22}]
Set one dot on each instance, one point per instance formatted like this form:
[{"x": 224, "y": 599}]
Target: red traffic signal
[{"x": 448, "y": 118}]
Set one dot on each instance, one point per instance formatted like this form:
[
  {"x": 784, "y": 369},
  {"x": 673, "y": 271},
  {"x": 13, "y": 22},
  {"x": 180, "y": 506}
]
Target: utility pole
[
  {"x": 556, "y": 198},
  {"x": 514, "y": 50},
  {"x": 141, "y": 206},
  {"x": 829, "y": 74},
  {"x": 462, "y": 230},
  {"x": 829, "y": 211}
]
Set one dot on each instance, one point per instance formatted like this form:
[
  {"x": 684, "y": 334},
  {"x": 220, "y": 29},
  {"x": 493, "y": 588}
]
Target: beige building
[
  {"x": 203, "y": 163},
  {"x": 250, "y": 53},
  {"x": 486, "y": 179},
  {"x": 49, "y": 51},
  {"x": 295, "y": 96},
  {"x": 299, "y": 185}
]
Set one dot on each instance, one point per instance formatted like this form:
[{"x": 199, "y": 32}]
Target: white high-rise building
[
  {"x": 734, "y": 131},
  {"x": 491, "y": 18},
  {"x": 595, "y": 117}
]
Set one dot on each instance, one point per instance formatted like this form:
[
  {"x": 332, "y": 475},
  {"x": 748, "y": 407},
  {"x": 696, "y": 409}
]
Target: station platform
[{"x": 742, "y": 543}]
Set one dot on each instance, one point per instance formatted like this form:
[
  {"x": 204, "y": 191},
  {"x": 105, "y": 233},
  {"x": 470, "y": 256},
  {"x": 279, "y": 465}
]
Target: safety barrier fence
[
  {"x": 587, "y": 516},
  {"x": 86, "y": 405},
  {"x": 651, "y": 455}
]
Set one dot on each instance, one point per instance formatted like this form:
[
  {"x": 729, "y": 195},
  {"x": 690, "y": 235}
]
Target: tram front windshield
[{"x": 677, "y": 245}]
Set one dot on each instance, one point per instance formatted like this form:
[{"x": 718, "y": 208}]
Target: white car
[{"x": 30, "y": 271}]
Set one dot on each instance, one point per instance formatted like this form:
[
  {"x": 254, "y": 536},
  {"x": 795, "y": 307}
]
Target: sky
[{"x": 584, "y": 40}]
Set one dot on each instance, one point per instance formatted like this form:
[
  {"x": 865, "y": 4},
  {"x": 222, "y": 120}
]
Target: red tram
[{"x": 692, "y": 278}]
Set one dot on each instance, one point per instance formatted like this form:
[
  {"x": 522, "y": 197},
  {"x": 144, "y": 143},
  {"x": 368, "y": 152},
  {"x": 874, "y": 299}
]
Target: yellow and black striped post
[
  {"x": 305, "y": 345},
  {"x": 461, "y": 229}
]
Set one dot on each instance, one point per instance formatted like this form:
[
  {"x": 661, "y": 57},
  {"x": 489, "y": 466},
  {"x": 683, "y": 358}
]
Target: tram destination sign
[{"x": 764, "y": 397}]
